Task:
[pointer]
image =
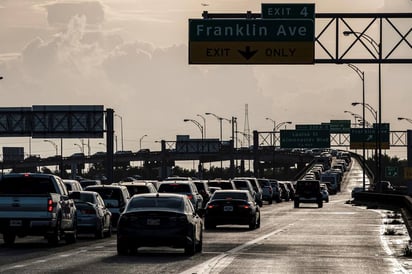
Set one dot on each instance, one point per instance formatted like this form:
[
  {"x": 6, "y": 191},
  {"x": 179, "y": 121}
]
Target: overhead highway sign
[{"x": 246, "y": 41}]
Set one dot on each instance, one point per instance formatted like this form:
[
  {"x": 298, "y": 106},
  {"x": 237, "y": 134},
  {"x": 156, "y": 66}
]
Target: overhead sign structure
[
  {"x": 304, "y": 139},
  {"x": 391, "y": 171},
  {"x": 283, "y": 40}
]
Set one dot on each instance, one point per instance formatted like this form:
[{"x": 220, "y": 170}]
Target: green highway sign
[
  {"x": 312, "y": 127},
  {"x": 251, "y": 30},
  {"x": 369, "y": 137},
  {"x": 339, "y": 126},
  {"x": 391, "y": 171},
  {"x": 304, "y": 139},
  {"x": 288, "y": 11}
]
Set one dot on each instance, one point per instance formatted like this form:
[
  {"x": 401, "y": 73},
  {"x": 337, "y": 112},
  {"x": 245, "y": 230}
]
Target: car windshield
[
  {"x": 174, "y": 188},
  {"x": 156, "y": 202},
  {"x": 137, "y": 189},
  {"x": 241, "y": 184},
  {"x": 111, "y": 196},
  {"x": 229, "y": 195}
]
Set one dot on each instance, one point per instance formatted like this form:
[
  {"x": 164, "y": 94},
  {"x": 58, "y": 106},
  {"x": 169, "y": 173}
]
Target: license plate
[
  {"x": 15, "y": 223},
  {"x": 153, "y": 221},
  {"x": 228, "y": 208}
]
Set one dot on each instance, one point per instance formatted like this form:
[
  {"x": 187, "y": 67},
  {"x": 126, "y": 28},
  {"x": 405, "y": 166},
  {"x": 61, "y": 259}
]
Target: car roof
[{"x": 161, "y": 195}]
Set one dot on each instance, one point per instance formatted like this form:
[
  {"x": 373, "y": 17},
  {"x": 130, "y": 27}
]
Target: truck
[
  {"x": 333, "y": 179},
  {"x": 35, "y": 204}
]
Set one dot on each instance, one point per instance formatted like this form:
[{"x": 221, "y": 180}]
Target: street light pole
[
  {"x": 140, "y": 141},
  {"x": 201, "y": 131},
  {"x": 361, "y": 75},
  {"x": 54, "y": 145},
  {"x": 221, "y": 131},
  {"x": 378, "y": 49},
  {"x": 121, "y": 129},
  {"x": 204, "y": 124}
]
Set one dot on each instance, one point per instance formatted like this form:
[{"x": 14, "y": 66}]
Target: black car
[
  {"x": 308, "y": 191},
  {"x": 232, "y": 207},
  {"x": 159, "y": 219}
]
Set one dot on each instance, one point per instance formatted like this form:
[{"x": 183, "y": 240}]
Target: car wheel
[
  {"x": 99, "y": 234},
  {"x": 122, "y": 248},
  {"x": 54, "y": 238},
  {"x": 109, "y": 231},
  {"x": 9, "y": 238},
  {"x": 327, "y": 200},
  {"x": 296, "y": 204},
  {"x": 258, "y": 222},
  {"x": 320, "y": 204},
  {"x": 71, "y": 237},
  {"x": 270, "y": 202},
  {"x": 190, "y": 247},
  {"x": 253, "y": 222}
]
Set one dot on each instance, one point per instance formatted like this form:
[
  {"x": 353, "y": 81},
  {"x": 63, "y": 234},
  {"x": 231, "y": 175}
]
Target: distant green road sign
[
  {"x": 304, "y": 139},
  {"x": 391, "y": 171},
  {"x": 339, "y": 126}
]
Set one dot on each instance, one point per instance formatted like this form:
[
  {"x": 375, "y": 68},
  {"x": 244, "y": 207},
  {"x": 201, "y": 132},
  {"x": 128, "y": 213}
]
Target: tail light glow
[{"x": 49, "y": 205}]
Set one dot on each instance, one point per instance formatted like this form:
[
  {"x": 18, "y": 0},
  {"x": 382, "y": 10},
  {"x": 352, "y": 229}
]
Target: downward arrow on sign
[{"x": 247, "y": 53}]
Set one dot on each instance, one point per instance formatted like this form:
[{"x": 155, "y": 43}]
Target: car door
[{"x": 106, "y": 213}]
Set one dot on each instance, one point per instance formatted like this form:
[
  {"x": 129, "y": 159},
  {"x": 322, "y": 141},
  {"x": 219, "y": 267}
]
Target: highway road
[{"x": 338, "y": 238}]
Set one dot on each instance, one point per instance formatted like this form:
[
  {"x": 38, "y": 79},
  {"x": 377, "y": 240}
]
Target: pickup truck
[{"x": 37, "y": 205}]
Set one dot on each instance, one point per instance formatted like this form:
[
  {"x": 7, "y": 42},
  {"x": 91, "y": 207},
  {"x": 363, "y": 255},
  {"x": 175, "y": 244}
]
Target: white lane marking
[{"x": 218, "y": 263}]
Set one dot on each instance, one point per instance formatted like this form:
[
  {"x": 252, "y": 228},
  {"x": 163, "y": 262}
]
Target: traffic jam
[{"x": 174, "y": 212}]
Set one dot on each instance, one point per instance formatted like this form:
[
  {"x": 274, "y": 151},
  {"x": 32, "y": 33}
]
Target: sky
[{"x": 132, "y": 56}]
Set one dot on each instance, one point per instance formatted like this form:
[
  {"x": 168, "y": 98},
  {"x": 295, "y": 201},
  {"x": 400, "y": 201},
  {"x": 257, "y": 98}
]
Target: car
[
  {"x": 266, "y": 190},
  {"x": 92, "y": 214},
  {"x": 227, "y": 207},
  {"x": 139, "y": 187},
  {"x": 212, "y": 189},
  {"x": 356, "y": 189},
  {"x": 159, "y": 219},
  {"x": 383, "y": 187},
  {"x": 89, "y": 182},
  {"x": 325, "y": 193},
  {"x": 285, "y": 191},
  {"x": 241, "y": 184},
  {"x": 277, "y": 192},
  {"x": 308, "y": 191},
  {"x": 223, "y": 184},
  {"x": 203, "y": 189},
  {"x": 115, "y": 198},
  {"x": 187, "y": 188},
  {"x": 72, "y": 185},
  {"x": 256, "y": 187},
  {"x": 291, "y": 188}
]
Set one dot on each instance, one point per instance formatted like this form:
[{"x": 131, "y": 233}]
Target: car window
[
  {"x": 162, "y": 202},
  {"x": 229, "y": 195},
  {"x": 26, "y": 185},
  {"x": 87, "y": 198},
  {"x": 175, "y": 188},
  {"x": 112, "y": 197}
]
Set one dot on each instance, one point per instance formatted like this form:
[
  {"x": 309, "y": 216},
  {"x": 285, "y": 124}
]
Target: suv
[
  {"x": 187, "y": 188},
  {"x": 267, "y": 190},
  {"x": 308, "y": 191},
  {"x": 138, "y": 187},
  {"x": 256, "y": 187},
  {"x": 115, "y": 198}
]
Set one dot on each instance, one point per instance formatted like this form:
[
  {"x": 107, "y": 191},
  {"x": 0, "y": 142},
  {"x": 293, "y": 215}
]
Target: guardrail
[{"x": 401, "y": 201}]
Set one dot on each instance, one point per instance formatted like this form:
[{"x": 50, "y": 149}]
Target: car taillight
[
  {"x": 190, "y": 196},
  {"x": 244, "y": 206},
  {"x": 49, "y": 205},
  {"x": 212, "y": 206},
  {"x": 88, "y": 211}
]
